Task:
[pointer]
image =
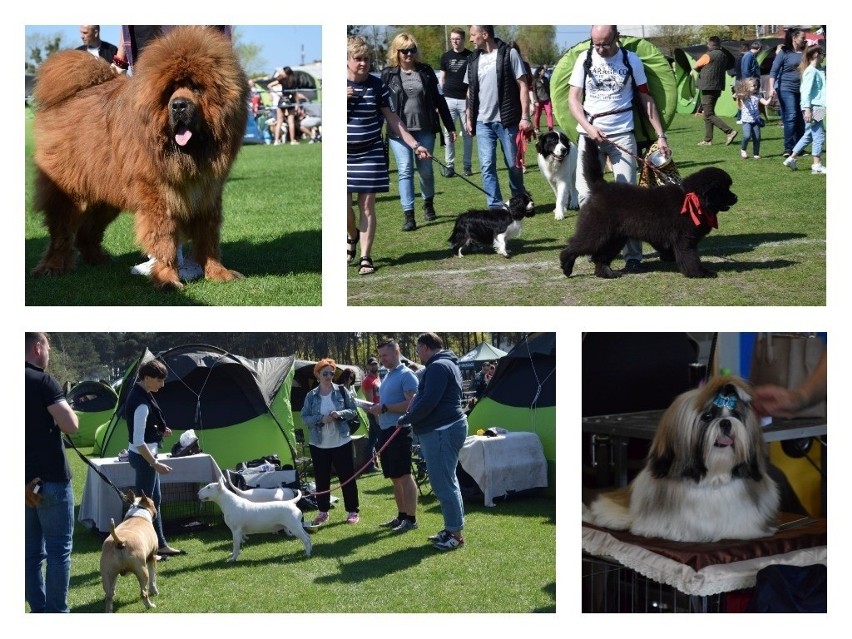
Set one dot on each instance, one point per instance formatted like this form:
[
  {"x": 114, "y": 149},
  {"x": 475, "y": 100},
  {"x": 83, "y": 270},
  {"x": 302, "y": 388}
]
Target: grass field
[
  {"x": 769, "y": 249},
  {"x": 271, "y": 234},
  {"x": 508, "y": 564}
]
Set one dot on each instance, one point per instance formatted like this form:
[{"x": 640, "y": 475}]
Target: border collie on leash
[
  {"x": 491, "y": 227},
  {"x": 557, "y": 161}
]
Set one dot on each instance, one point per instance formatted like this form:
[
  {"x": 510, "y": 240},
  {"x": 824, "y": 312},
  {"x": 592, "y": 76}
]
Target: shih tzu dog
[{"x": 705, "y": 477}]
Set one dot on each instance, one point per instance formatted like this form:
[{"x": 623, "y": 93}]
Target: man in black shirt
[
  {"x": 454, "y": 88},
  {"x": 90, "y": 34},
  {"x": 49, "y": 512}
]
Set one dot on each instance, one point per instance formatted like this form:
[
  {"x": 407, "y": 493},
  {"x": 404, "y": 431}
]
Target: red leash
[{"x": 360, "y": 471}]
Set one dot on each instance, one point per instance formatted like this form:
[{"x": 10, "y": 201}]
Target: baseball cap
[{"x": 372, "y": 360}]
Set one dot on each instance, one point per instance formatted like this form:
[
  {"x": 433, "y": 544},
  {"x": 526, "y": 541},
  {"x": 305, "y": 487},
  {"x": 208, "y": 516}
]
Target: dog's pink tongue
[
  {"x": 724, "y": 441},
  {"x": 182, "y": 135}
]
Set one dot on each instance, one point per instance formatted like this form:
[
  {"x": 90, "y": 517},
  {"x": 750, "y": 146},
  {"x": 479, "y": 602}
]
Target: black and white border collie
[
  {"x": 491, "y": 227},
  {"x": 557, "y": 161}
]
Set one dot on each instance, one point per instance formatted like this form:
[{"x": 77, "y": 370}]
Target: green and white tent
[
  {"x": 522, "y": 395},
  {"x": 238, "y": 407},
  {"x": 94, "y": 404}
]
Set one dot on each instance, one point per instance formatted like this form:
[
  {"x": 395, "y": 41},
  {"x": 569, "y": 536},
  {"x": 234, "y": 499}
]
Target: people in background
[{"x": 90, "y": 34}]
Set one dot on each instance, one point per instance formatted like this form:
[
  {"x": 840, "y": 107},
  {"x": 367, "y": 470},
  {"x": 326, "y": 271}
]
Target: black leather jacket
[{"x": 434, "y": 102}]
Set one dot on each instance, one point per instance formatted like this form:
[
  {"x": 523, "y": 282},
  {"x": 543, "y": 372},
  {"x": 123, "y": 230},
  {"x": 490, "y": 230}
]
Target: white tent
[{"x": 484, "y": 352}]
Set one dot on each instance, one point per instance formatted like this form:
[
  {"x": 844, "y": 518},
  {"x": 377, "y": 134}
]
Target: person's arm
[
  {"x": 786, "y": 402},
  {"x": 140, "y": 418},
  {"x": 65, "y": 417},
  {"x": 526, "y": 121},
  {"x": 575, "y": 105},
  {"x": 433, "y": 386},
  {"x": 396, "y": 125},
  {"x": 703, "y": 61},
  {"x": 650, "y": 107}
]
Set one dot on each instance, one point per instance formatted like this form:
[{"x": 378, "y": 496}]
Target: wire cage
[
  {"x": 180, "y": 508},
  {"x": 610, "y": 587}
]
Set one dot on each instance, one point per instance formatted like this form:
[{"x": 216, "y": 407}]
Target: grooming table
[
  {"x": 100, "y": 502},
  {"x": 703, "y": 569},
  {"x": 504, "y": 464}
]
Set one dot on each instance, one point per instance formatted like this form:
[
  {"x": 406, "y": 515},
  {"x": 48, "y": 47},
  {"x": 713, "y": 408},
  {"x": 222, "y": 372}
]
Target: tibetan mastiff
[
  {"x": 159, "y": 143},
  {"x": 671, "y": 218}
]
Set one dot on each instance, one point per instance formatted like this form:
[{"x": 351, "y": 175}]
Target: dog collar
[
  {"x": 692, "y": 207},
  {"x": 137, "y": 511}
]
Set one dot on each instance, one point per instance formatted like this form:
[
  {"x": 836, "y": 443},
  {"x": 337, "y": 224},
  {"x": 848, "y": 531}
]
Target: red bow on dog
[{"x": 692, "y": 207}]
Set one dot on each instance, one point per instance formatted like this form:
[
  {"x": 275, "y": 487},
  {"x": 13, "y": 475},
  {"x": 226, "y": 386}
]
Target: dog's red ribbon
[{"x": 692, "y": 207}]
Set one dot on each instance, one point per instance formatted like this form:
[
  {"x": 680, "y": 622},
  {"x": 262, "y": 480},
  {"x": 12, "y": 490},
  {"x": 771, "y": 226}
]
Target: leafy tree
[
  {"x": 538, "y": 44},
  {"x": 39, "y": 47},
  {"x": 249, "y": 53}
]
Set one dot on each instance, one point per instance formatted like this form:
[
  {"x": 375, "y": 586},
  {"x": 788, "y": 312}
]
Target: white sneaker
[
  {"x": 790, "y": 163},
  {"x": 817, "y": 169},
  {"x": 743, "y": 154}
]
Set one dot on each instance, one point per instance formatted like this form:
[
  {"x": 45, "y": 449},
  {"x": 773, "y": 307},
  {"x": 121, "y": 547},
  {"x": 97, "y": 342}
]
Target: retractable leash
[
  {"x": 121, "y": 495},
  {"x": 360, "y": 471}
]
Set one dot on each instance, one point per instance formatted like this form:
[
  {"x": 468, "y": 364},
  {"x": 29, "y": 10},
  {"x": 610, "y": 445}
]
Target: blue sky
[{"x": 282, "y": 45}]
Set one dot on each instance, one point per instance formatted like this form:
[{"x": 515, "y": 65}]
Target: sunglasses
[
  {"x": 410, "y": 51},
  {"x": 328, "y": 373}
]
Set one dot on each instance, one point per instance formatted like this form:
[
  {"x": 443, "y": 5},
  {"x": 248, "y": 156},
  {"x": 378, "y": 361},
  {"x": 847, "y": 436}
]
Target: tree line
[{"x": 106, "y": 356}]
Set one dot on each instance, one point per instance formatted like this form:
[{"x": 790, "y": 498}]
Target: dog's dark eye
[{"x": 707, "y": 416}]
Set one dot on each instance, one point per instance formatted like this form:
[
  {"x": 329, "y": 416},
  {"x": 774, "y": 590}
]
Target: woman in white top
[{"x": 326, "y": 413}]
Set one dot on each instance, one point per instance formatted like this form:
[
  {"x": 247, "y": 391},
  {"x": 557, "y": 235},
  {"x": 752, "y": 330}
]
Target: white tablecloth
[
  {"x": 101, "y": 502},
  {"x": 503, "y": 464}
]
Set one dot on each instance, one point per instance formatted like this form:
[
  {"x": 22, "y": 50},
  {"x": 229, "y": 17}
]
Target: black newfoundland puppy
[{"x": 673, "y": 219}]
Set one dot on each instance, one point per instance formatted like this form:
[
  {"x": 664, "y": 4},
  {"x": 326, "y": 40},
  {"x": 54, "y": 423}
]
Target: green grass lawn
[
  {"x": 271, "y": 234},
  {"x": 769, "y": 248},
  {"x": 508, "y": 564}
]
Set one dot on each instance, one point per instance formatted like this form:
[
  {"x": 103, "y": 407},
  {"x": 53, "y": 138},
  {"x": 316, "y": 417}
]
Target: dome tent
[
  {"x": 522, "y": 395},
  {"x": 93, "y": 402},
  {"x": 238, "y": 407}
]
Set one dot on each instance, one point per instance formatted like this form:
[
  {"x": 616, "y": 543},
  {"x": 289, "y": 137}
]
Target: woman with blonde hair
[
  {"x": 414, "y": 87},
  {"x": 368, "y": 105}
]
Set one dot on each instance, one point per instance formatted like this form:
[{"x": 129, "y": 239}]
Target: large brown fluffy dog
[{"x": 159, "y": 144}]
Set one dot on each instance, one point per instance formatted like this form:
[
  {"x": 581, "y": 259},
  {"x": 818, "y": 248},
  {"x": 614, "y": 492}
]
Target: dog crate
[
  {"x": 610, "y": 587},
  {"x": 180, "y": 508}
]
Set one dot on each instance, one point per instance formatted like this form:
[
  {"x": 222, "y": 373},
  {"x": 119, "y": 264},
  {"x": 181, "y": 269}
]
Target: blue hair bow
[{"x": 725, "y": 401}]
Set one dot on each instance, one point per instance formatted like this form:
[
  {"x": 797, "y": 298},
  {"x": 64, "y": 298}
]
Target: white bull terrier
[{"x": 244, "y": 517}]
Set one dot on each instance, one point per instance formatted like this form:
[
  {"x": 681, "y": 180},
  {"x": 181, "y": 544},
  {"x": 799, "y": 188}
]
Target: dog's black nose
[
  {"x": 725, "y": 425},
  {"x": 179, "y": 106}
]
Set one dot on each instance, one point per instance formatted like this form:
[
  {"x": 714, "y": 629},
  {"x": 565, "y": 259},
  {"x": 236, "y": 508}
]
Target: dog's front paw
[{"x": 558, "y": 215}]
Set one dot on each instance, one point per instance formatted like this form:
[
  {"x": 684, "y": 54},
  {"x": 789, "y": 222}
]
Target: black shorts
[{"x": 396, "y": 458}]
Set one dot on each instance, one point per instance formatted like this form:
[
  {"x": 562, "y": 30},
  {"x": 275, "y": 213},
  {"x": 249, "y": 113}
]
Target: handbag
[
  {"x": 355, "y": 422},
  {"x": 786, "y": 360}
]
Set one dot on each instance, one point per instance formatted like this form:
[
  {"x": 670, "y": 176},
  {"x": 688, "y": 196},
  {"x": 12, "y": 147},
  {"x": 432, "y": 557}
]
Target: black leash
[
  {"x": 121, "y": 495},
  {"x": 444, "y": 166}
]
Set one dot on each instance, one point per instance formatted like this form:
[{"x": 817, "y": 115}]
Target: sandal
[
  {"x": 350, "y": 252},
  {"x": 365, "y": 267}
]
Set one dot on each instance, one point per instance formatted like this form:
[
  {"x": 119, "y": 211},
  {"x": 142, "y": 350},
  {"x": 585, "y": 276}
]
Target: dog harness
[{"x": 692, "y": 207}]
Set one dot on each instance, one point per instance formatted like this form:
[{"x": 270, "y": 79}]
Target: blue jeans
[
  {"x": 458, "y": 114},
  {"x": 751, "y": 132},
  {"x": 814, "y": 133},
  {"x": 148, "y": 481},
  {"x": 405, "y": 168},
  {"x": 794, "y": 122},
  {"x": 440, "y": 449},
  {"x": 48, "y": 534},
  {"x": 488, "y": 134}
]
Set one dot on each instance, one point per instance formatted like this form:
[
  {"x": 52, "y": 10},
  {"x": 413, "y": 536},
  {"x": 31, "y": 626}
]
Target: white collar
[{"x": 138, "y": 511}]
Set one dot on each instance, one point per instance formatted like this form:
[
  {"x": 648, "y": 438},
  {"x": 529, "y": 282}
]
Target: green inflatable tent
[
  {"x": 661, "y": 83},
  {"x": 94, "y": 403},
  {"x": 238, "y": 407},
  {"x": 522, "y": 395}
]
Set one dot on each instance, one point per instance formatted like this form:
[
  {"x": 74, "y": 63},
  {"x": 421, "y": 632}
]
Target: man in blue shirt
[{"x": 398, "y": 387}]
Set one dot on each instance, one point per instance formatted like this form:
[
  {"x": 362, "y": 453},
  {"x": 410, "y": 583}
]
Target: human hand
[
  {"x": 525, "y": 125},
  {"x": 664, "y": 148},
  {"x": 161, "y": 468},
  {"x": 167, "y": 431},
  {"x": 31, "y": 498},
  {"x": 807, "y": 115},
  {"x": 422, "y": 152},
  {"x": 776, "y": 401}
]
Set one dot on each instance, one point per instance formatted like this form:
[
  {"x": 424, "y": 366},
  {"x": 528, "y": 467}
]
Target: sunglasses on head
[{"x": 409, "y": 51}]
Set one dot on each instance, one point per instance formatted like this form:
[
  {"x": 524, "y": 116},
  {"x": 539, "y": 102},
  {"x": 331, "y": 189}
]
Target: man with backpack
[{"x": 603, "y": 87}]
